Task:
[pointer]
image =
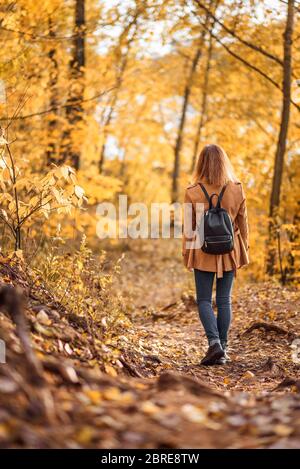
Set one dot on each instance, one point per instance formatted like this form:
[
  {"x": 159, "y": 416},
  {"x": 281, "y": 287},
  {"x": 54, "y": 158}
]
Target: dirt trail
[
  {"x": 249, "y": 410},
  {"x": 161, "y": 397},
  {"x": 166, "y": 315}
]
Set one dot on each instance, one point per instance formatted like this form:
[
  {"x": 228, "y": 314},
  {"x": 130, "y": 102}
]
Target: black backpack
[{"x": 218, "y": 229}]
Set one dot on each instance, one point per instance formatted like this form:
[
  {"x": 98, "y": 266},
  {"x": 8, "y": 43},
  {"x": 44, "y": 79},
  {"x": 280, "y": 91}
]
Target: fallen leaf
[
  {"x": 43, "y": 317},
  {"x": 283, "y": 430},
  {"x": 110, "y": 370},
  {"x": 95, "y": 396},
  {"x": 248, "y": 376}
]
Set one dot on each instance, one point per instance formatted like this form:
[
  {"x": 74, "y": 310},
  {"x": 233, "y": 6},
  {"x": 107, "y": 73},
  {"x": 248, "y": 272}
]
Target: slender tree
[
  {"x": 74, "y": 110},
  {"x": 283, "y": 132},
  {"x": 250, "y": 45},
  {"x": 53, "y": 81},
  {"x": 203, "y": 111},
  {"x": 185, "y": 103},
  {"x": 128, "y": 37}
]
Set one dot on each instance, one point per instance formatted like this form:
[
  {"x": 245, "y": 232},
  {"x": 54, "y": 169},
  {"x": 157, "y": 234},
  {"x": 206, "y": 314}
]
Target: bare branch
[
  {"x": 55, "y": 108},
  {"x": 248, "y": 64},
  {"x": 236, "y": 36},
  {"x": 8, "y": 224}
]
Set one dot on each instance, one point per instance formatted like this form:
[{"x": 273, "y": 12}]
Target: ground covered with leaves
[{"x": 144, "y": 387}]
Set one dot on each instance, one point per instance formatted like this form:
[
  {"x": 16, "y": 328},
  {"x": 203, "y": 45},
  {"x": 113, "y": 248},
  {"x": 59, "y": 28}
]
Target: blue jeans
[{"x": 216, "y": 328}]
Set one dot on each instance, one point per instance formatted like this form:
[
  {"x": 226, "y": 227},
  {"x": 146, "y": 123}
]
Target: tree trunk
[
  {"x": 203, "y": 112},
  {"x": 74, "y": 110},
  {"x": 185, "y": 103},
  {"x": 51, "y": 154},
  {"x": 294, "y": 239},
  {"x": 119, "y": 79},
  {"x": 282, "y": 138},
  {"x": 113, "y": 103}
]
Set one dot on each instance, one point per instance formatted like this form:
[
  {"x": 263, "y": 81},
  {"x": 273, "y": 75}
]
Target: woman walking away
[{"x": 215, "y": 243}]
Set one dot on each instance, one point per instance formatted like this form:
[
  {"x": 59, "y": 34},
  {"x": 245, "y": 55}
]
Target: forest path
[
  {"x": 235, "y": 405},
  {"x": 154, "y": 393},
  {"x": 166, "y": 316}
]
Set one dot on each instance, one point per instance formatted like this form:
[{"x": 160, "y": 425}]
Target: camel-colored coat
[{"x": 235, "y": 203}]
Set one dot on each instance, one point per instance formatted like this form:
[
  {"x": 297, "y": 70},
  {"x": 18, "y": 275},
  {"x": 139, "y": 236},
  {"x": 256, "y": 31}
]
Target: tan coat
[{"x": 235, "y": 203}]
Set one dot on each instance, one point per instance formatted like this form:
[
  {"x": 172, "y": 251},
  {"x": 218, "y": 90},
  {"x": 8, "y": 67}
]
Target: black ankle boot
[{"x": 214, "y": 353}]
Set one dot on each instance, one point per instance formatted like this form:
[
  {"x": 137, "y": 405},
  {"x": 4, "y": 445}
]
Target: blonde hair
[{"x": 213, "y": 166}]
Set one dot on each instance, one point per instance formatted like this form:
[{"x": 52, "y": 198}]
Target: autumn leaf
[
  {"x": 79, "y": 192},
  {"x": 3, "y": 141}
]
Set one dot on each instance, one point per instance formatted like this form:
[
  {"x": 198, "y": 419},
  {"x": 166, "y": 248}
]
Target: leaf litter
[{"x": 153, "y": 394}]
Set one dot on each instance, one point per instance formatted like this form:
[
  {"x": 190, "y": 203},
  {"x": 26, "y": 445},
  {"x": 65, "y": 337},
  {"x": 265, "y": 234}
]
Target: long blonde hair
[{"x": 213, "y": 166}]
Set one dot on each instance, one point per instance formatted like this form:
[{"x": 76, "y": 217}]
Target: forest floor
[{"x": 159, "y": 397}]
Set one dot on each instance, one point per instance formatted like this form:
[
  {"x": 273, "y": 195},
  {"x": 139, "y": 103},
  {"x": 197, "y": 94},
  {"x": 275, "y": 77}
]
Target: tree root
[
  {"x": 130, "y": 368},
  {"x": 269, "y": 327},
  {"x": 163, "y": 314},
  {"x": 170, "y": 305},
  {"x": 288, "y": 382},
  {"x": 169, "y": 380},
  {"x": 272, "y": 368}
]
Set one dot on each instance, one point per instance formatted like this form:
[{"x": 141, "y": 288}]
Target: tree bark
[
  {"x": 294, "y": 239},
  {"x": 185, "y": 103},
  {"x": 113, "y": 103},
  {"x": 52, "y": 156},
  {"x": 203, "y": 112},
  {"x": 74, "y": 110},
  {"x": 119, "y": 79},
  {"x": 282, "y": 137}
]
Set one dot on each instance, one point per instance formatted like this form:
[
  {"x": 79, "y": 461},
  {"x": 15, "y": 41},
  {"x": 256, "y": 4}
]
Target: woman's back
[
  {"x": 234, "y": 202},
  {"x": 231, "y": 201}
]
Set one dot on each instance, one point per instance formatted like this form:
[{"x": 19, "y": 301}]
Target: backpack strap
[
  {"x": 209, "y": 198},
  {"x": 205, "y": 192},
  {"x": 221, "y": 196}
]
